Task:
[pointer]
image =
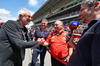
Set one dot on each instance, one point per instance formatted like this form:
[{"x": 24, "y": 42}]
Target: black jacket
[
  {"x": 13, "y": 43},
  {"x": 87, "y": 52}
]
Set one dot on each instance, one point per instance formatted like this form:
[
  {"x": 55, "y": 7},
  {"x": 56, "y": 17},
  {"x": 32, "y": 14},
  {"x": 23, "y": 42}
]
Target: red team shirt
[{"x": 58, "y": 45}]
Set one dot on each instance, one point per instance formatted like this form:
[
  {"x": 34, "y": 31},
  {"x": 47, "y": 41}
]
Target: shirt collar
[
  {"x": 92, "y": 23},
  {"x": 60, "y": 32},
  {"x": 44, "y": 31}
]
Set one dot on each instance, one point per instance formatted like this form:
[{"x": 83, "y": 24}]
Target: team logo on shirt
[
  {"x": 52, "y": 36},
  {"x": 64, "y": 33},
  {"x": 52, "y": 40}
]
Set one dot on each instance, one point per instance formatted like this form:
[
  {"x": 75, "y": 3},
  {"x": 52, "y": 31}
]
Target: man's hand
[
  {"x": 71, "y": 39},
  {"x": 67, "y": 38},
  {"x": 41, "y": 41},
  {"x": 71, "y": 42},
  {"x": 67, "y": 59}
]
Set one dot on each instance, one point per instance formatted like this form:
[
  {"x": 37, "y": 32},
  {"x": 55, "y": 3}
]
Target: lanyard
[{"x": 23, "y": 33}]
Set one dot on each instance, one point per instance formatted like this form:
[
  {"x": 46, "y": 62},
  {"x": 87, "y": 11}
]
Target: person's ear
[
  {"x": 20, "y": 15},
  {"x": 96, "y": 5}
]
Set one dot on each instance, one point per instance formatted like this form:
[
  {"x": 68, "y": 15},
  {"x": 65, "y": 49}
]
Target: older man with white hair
[
  {"x": 14, "y": 40},
  {"x": 58, "y": 45}
]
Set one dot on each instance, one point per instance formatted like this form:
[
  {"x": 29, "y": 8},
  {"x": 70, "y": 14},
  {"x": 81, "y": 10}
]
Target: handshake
[{"x": 41, "y": 41}]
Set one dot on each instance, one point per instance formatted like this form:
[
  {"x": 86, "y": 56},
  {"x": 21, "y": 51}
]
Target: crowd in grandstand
[{"x": 65, "y": 15}]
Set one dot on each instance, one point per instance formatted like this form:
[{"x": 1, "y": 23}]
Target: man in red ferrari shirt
[{"x": 58, "y": 45}]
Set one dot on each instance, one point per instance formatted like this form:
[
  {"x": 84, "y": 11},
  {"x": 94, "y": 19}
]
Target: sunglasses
[{"x": 27, "y": 15}]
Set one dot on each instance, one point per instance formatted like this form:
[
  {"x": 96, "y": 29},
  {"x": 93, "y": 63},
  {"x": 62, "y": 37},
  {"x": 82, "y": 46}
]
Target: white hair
[
  {"x": 61, "y": 23},
  {"x": 21, "y": 11}
]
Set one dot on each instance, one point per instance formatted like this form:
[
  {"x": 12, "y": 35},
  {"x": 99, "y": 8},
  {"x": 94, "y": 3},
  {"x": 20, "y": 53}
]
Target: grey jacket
[{"x": 13, "y": 41}]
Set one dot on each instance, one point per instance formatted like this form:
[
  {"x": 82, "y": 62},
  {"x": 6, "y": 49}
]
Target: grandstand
[{"x": 65, "y": 10}]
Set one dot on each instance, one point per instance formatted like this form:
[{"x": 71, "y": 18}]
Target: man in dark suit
[
  {"x": 14, "y": 40},
  {"x": 87, "y": 51}
]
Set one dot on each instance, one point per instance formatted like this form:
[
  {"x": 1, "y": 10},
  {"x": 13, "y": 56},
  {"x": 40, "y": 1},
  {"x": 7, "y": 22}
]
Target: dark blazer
[
  {"x": 13, "y": 41},
  {"x": 87, "y": 51}
]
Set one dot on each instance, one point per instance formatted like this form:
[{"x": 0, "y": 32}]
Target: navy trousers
[{"x": 36, "y": 52}]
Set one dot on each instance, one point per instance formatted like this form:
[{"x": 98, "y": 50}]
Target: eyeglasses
[{"x": 27, "y": 15}]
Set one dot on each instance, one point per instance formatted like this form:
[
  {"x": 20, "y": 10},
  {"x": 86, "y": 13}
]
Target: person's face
[
  {"x": 26, "y": 18},
  {"x": 85, "y": 13},
  {"x": 44, "y": 24},
  {"x": 57, "y": 26}
]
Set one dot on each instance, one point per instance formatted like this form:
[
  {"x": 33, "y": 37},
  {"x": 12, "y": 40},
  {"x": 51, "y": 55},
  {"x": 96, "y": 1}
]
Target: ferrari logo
[{"x": 52, "y": 36}]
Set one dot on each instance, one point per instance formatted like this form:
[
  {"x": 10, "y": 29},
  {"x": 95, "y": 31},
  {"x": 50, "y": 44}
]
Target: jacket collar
[
  {"x": 20, "y": 26},
  {"x": 44, "y": 31}
]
